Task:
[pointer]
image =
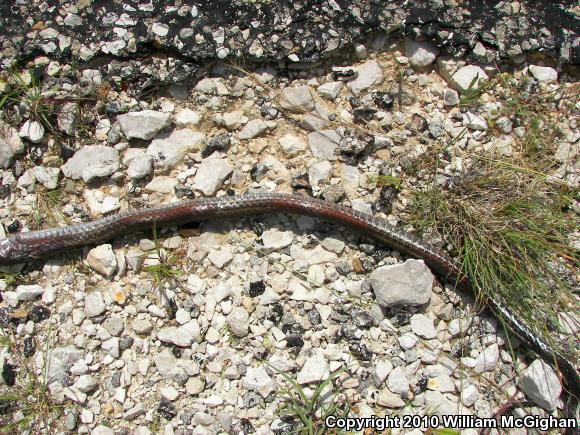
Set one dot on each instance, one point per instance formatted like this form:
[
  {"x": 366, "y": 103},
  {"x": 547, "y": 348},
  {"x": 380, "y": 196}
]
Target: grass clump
[
  {"x": 386, "y": 180},
  {"x": 9, "y": 279},
  {"x": 165, "y": 272},
  {"x": 512, "y": 242},
  {"x": 475, "y": 90},
  {"x": 25, "y": 88},
  {"x": 164, "y": 275},
  {"x": 508, "y": 220},
  {"x": 307, "y": 412},
  {"x": 25, "y": 403},
  {"x": 49, "y": 208}
]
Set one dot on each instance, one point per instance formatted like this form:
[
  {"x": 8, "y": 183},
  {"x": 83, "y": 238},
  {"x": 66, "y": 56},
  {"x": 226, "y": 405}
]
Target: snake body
[{"x": 32, "y": 245}]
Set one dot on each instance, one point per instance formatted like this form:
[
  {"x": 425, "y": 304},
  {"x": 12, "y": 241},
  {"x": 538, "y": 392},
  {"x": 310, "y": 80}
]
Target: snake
[{"x": 34, "y": 245}]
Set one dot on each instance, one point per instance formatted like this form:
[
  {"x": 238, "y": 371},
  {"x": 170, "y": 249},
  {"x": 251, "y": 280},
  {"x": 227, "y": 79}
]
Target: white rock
[
  {"x": 144, "y": 124},
  {"x": 409, "y": 283},
  {"x": 103, "y": 260},
  {"x": 169, "y": 393},
  {"x": 90, "y": 162},
  {"x": 319, "y": 255},
  {"x": 220, "y": 257},
  {"x": 319, "y": 171},
  {"x": 369, "y": 74},
  {"x": 140, "y": 167},
  {"x": 397, "y": 381},
  {"x": 233, "y": 120},
  {"x": 194, "y": 386},
  {"x": 389, "y": 400},
  {"x": 238, "y": 321},
  {"x": 11, "y": 298},
  {"x": 388, "y": 327},
  {"x": 211, "y": 175},
  {"x": 443, "y": 383},
  {"x": 195, "y": 284},
  {"x": 408, "y": 341},
  {"x": 120, "y": 395},
  {"x": 161, "y": 184},
  {"x": 187, "y": 117},
  {"x": 501, "y": 146},
  {"x": 49, "y": 295},
  {"x": 46, "y": 176},
  {"x": 459, "y": 326},
  {"x": 79, "y": 368},
  {"x": 361, "y": 205},
  {"x": 423, "y": 326},
  {"x": 58, "y": 361},
  {"x": 274, "y": 240},
  {"x": 464, "y": 77},
  {"x": 94, "y": 304},
  {"x": 257, "y": 379},
  {"x": 269, "y": 297},
  {"x": 182, "y": 316},
  {"x": 75, "y": 395},
  {"x": 382, "y": 369},
  {"x": 67, "y": 118},
  {"x": 86, "y": 383},
  {"x": 168, "y": 150},
  {"x": 10, "y": 144},
  {"x": 111, "y": 347},
  {"x": 420, "y": 54},
  {"x": 479, "y": 50},
  {"x": 26, "y": 180},
  {"x": 505, "y": 124},
  {"x": 433, "y": 399},
  {"x": 182, "y": 336},
  {"x": 488, "y": 359},
  {"x": 32, "y": 130},
  {"x": 166, "y": 364},
  {"x": 451, "y": 97},
  {"x": 206, "y": 86},
  {"x": 291, "y": 145},
  {"x": 541, "y": 384},
  {"x": 114, "y": 325},
  {"x": 280, "y": 363},
  {"x": 474, "y": 122},
  {"x": 323, "y": 144},
  {"x": 91, "y": 77},
  {"x": 315, "y": 369},
  {"x": 543, "y": 73},
  {"x": 29, "y": 292},
  {"x": 98, "y": 203},
  {"x": 297, "y": 99},
  {"x": 330, "y": 90},
  {"x": 134, "y": 412},
  {"x": 469, "y": 395},
  {"x": 252, "y": 129},
  {"x": 298, "y": 290},
  {"x": 142, "y": 326},
  {"x": 333, "y": 243}
]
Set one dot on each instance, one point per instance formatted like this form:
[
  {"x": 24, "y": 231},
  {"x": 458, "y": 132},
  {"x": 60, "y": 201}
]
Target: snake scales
[{"x": 39, "y": 244}]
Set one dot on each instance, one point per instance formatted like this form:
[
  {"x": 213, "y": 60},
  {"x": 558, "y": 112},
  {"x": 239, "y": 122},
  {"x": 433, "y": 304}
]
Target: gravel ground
[{"x": 126, "y": 349}]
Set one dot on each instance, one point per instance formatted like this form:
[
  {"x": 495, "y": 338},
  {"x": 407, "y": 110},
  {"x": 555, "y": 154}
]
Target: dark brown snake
[{"x": 39, "y": 244}]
